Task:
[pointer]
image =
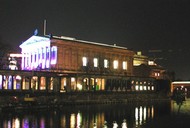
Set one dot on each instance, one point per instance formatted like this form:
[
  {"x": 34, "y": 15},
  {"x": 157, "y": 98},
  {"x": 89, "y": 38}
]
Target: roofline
[
  {"x": 88, "y": 42},
  {"x": 181, "y": 82}
]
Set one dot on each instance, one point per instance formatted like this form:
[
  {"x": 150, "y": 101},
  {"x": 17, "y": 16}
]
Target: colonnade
[
  {"x": 49, "y": 82},
  {"x": 54, "y": 82}
]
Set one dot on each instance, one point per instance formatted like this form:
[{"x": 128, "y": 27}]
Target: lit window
[
  {"x": 84, "y": 61},
  {"x": 152, "y": 87},
  {"x": 106, "y": 63},
  {"x": 72, "y": 79},
  {"x": 124, "y": 65},
  {"x": 137, "y": 87},
  {"x": 115, "y": 64},
  {"x": 95, "y": 62},
  {"x": 141, "y": 88},
  {"x": 144, "y": 87}
]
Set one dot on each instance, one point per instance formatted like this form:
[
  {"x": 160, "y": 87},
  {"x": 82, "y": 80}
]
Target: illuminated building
[
  {"x": 14, "y": 61},
  {"x": 81, "y": 65},
  {"x": 86, "y": 63},
  {"x": 63, "y": 64},
  {"x": 143, "y": 67}
]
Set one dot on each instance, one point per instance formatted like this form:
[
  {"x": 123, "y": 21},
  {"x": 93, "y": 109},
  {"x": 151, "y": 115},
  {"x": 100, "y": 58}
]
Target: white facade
[{"x": 37, "y": 53}]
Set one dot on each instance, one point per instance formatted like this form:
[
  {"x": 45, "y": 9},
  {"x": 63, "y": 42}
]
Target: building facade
[{"x": 80, "y": 65}]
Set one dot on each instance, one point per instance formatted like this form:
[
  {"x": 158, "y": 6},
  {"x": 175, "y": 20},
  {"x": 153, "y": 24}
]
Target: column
[
  {"x": 68, "y": 87},
  {"x": 39, "y": 82}
]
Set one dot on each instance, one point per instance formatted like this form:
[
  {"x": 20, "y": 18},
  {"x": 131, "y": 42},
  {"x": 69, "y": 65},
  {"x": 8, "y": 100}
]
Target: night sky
[{"x": 139, "y": 25}]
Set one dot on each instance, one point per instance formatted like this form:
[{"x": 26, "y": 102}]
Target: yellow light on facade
[
  {"x": 137, "y": 87},
  {"x": 72, "y": 120},
  {"x": 106, "y": 63},
  {"x": 79, "y": 86},
  {"x": 115, "y": 64},
  {"x": 95, "y": 62},
  {"x": 72, "y": 79},
  {"x": 124, "y": 65},
  {"x": 18, "y": 77},
  {"x": 84, "y": 61},
  {"x": 144, "y": 87}
]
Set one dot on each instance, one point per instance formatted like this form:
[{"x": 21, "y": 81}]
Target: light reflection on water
[{"x": 92, "y": 116}]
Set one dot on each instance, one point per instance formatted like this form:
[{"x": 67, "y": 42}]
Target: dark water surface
[{"x": 165, "y": 114}]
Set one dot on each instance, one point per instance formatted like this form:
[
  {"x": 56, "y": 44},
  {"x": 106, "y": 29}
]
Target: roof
[
  {"x": 35, "y": 39},
  {"x": 88, "y": 42}
]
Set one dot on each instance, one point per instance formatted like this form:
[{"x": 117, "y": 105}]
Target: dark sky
[{"x": 136, "y": 24}]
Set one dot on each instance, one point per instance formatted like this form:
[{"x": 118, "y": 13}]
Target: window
[
  {"x": 106, "y": 63},
  {"x": 84, "y": 61},
  {"x": 124, "y": 65},
  {"x": 115, "y": 64},
  {"x": 95, "y": 62},
  {"x": 156, "y": 74}
]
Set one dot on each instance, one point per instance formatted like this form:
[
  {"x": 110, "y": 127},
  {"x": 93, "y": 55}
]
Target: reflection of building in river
[
  {"x": 181, "y": 109},
  {"x": 142, "y": 114},
  {"x": 138, "y": 116}
]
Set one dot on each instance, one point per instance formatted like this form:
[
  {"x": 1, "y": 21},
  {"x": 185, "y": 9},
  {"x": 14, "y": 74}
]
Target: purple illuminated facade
[{"x": 37, "y": 53}]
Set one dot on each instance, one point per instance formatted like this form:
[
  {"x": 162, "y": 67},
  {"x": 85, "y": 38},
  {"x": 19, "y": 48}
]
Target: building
[
  {"x": 81, "y": 65},
  {"x": 144, "y": 67}
]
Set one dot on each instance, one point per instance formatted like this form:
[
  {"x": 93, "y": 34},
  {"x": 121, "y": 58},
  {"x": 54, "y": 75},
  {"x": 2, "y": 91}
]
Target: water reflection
[
  {"x": 93, "y": 116},
  {"x": 143, "y": 113}
]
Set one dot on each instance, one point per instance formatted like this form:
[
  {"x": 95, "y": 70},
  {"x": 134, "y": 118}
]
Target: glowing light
[
  {"x": 95, "y": 62},
  {"x": 79, "y": 120},
  {"x": 136, "y": 115},
  {"x": 37, "y": 53},
  {"x": 54, "y": 55},
  {"x": 72, "y": 120},
  {"x": 152, "y": 87},
  {"x": 140, "y": 114},
  {"x": 124, "y": 124},
  {"x": 152, "y": 112},
  {"x": 137, "y": 87},
  {"x": 16, "y": 123},
  {"x": 18, "y": 77},
  {"x": 15, "y": 55},
  {"x": 106, "y": 63},
  {"x": 115, "y": 64},
  {"x": 181, "y": 82},
  {"x": 141, "y": 88},
  {"x": 84, "y": 61},
  {"x": 79, "y": 86},
  {"x": 124, "y": 65},
  {"x": 72, "y": 79},
  {"x": 144, "y": 113},
  {"x": 115, "y": 125}
]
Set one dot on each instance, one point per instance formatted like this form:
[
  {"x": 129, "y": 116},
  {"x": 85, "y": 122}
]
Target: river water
[{"x": 165, "y": 114}]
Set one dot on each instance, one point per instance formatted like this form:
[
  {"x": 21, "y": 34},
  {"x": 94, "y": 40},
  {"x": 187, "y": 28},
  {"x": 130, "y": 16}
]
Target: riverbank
[{"x": 31, "y": 101}]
